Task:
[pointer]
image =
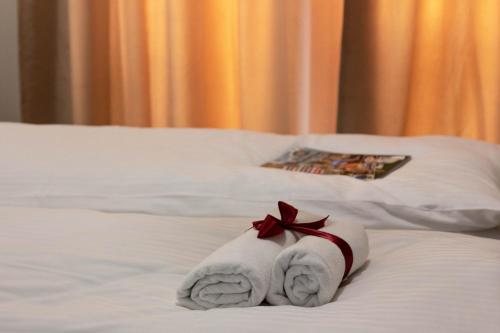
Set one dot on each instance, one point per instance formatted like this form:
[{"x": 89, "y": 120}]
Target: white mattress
[{"x": 86, "y": 271}]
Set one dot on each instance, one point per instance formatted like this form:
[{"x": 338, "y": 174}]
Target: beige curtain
[
  {"x": 412, "y": 67},
  {"x": 267, "y": 65}
]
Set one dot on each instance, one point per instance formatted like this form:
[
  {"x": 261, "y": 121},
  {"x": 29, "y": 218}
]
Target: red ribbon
[{"x": 272, "y": 226}]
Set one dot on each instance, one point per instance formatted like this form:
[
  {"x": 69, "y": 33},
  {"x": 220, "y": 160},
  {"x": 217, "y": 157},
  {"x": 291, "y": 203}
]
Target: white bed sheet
[{"x": 87, "y": 271}]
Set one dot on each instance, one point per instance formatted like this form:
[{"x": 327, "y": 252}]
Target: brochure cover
[{"x": 359, "y": 166}]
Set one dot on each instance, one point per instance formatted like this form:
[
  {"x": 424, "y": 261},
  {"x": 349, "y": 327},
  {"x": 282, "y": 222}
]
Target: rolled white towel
[
  {"x": 236, "y": 275},
  {"x": 309, "y": 272}
]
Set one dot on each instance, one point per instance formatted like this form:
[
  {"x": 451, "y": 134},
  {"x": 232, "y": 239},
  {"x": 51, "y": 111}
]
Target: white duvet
[{"x": 85, "y": 271}]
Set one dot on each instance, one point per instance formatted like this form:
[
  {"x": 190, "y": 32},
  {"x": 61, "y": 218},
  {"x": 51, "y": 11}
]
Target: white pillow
[{"x": 450, "y": 184}]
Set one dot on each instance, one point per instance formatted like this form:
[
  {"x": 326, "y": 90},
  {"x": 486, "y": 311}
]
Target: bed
[{"x": 98, "y": 227}]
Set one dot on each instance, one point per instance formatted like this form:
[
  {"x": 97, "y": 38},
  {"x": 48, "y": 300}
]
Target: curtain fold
[
  {"x": 44, "y": 62},
  {"x": 252, "y": 64},
  {"x": 415, "y": 67}
]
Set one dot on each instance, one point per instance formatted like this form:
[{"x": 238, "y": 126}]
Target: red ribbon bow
[{"x": 272, "y": 226}]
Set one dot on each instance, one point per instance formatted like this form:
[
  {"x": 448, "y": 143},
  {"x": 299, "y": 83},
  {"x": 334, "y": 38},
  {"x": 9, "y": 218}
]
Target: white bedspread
[{"x": 85, "y": 271}]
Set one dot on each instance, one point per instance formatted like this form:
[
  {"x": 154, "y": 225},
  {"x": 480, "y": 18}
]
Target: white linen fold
[
  {"x": 309, "y": 272},
  {"x": 235, "y": 275}
]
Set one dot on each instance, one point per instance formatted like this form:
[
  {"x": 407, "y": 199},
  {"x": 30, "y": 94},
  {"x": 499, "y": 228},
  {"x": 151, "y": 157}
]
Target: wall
[{"x": 10, "y": 109}]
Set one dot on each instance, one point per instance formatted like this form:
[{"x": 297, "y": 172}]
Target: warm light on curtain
[
  {"x": 409, "y": 67},
  {"x": 253, "y": 64},
  {"x": 417, "y": 67}
]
